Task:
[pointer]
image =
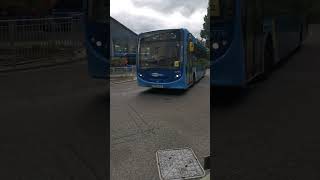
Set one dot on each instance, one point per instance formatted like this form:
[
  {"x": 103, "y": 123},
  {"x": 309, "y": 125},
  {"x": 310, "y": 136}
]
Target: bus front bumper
[{"x": 179, "y": 84}]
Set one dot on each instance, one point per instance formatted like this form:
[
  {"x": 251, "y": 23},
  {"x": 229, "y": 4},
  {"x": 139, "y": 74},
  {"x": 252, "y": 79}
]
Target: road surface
[
  {"x": 271, "y": 131},
  {"x": 53, "y": 124},
  {"x": 144, "y": 120}
]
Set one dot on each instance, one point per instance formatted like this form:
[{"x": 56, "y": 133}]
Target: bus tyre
[
  {"x": 194, "y": 78},
  {"x": 268, "y": 59},
  {"x": 301, "y": 38}
]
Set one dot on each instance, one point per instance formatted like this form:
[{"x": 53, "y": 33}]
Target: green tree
[{"x": 205, "y": 32}]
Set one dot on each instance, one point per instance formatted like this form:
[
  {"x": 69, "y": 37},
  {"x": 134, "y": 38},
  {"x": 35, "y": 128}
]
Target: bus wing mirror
[{"x": 191, "y": 47}]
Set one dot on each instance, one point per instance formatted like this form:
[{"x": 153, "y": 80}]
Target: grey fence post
[{"x": 42, "y": 40}]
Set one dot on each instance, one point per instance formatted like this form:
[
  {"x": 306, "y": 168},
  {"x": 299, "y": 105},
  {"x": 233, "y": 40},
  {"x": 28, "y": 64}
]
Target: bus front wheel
[{"x": 194, "y": 78}]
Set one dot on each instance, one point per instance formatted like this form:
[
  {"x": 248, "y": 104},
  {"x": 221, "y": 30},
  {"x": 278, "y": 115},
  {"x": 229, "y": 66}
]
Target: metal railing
[
  {"x": 29, "y": 40},
  {"x": 126, "y": 71}
]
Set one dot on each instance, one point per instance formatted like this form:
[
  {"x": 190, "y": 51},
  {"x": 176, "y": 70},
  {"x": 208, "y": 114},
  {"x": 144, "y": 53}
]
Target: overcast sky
[{"x": 146, "y": 15}]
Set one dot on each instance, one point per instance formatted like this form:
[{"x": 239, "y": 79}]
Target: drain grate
[{"x": 174, "y": 164}]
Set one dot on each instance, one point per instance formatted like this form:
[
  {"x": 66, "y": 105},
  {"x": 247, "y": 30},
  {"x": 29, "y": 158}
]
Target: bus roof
[
  {"x": 182, "y": 29},
  {"x": 158, "y": 31}
]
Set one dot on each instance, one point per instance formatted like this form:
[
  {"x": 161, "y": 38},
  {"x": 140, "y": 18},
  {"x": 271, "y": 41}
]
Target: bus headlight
[
  {"x": 140, "y": 75},
  {"x": 99, "y": 43},
  {"x": 215, "y": 46},
  {"x": 224, "y": 42}
]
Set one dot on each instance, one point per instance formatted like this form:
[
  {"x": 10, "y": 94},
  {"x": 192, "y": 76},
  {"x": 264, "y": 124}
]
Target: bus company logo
[{"x": 156, "y": 75}]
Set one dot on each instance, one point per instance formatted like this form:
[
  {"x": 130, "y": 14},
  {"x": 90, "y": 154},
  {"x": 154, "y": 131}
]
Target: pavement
[
  {"x": 120, "y": 80},
  {"x": 271, "y": 130},
  {"x": 144, "y": 120},
  {"x": 53, "y": 124},
  {"x": 10, "y": 64}
]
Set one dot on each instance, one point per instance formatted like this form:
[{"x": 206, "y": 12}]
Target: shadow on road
[
  {"x": 95, "y": 119},
  {"x": 222, "y": 97},
  {"x": 93, "y": 123},
  {"x": 283, "y": 62},
  {"x": 165, "y": 92}
]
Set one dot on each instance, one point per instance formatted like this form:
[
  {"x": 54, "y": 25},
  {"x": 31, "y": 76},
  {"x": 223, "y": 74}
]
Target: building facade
[{"x": 122, "y": 39}]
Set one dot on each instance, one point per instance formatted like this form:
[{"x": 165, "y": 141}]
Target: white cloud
[{"x": 147, "y": 15}]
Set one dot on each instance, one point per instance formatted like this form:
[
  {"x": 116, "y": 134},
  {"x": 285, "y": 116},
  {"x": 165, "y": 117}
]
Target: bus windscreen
[
  {"x": 160, "y": 50},
  {"x": 223, "y": 10},
  {"x": 98, "y": 11},
  {"x": 215, "y": 8}
]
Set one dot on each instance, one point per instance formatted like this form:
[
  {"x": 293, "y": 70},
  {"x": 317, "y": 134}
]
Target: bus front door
[
  {"x": 189, "y": 62},
  {"x": 253, "y": 39}
]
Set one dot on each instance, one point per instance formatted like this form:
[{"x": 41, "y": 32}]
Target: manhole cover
[{"x": 174, "y": 164}]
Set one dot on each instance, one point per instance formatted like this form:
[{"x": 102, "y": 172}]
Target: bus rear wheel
[{"x": 268, "y": 58}]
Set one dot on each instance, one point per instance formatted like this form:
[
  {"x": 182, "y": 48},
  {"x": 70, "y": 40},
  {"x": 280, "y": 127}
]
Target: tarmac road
[
  {"x": 144, "y": 120},
  {"x": 53, "y": 124}
]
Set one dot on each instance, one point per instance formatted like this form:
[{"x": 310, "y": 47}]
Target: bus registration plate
[{"x": 157, "y": 86}]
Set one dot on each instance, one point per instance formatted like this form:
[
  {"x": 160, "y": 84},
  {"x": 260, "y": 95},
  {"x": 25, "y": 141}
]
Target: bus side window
[
  {"x": 194, "y": 57},
  {"x": 196, "y": 52},
  {"x": 189, "y": 41}
]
